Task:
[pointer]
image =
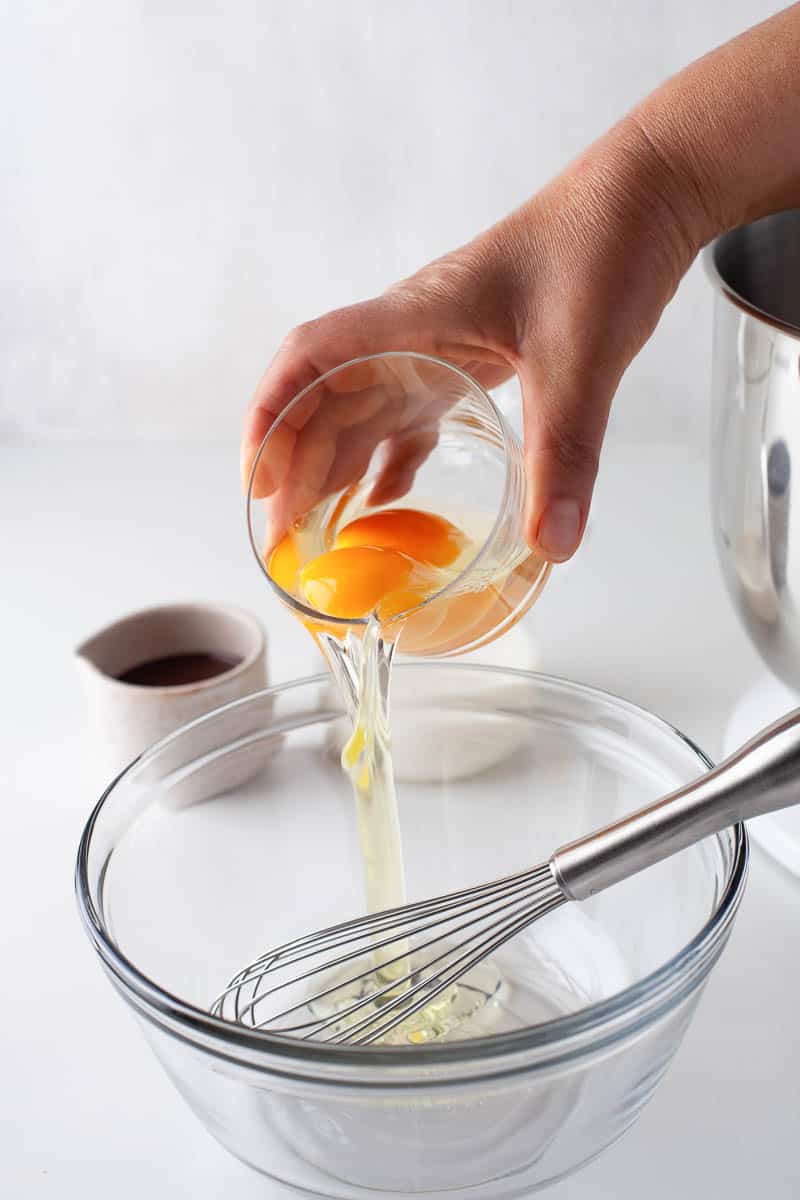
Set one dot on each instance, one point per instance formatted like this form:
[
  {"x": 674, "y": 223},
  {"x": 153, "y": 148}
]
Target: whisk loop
[{"x": 438, "y": 942}]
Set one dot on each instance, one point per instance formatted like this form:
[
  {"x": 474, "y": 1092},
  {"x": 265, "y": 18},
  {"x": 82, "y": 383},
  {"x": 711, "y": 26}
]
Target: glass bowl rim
[
  {"x": 561, "y": 1039},
  {"x": 305, "y": 611}
]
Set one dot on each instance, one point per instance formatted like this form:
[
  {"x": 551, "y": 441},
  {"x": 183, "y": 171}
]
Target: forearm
[
  {"x": 727, "y": 129},
  {"x": 717, "y": 145}
]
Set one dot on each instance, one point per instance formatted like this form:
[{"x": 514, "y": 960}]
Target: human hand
[{"x": 564, "y": 292}]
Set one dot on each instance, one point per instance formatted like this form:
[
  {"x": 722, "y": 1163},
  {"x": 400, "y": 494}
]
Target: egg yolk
[
  {"x": 284, "y": 563},
  {"x": 352, "y": 581},
  {"x": 383, "y": 563},
  {"x": 423, "y": 536}
]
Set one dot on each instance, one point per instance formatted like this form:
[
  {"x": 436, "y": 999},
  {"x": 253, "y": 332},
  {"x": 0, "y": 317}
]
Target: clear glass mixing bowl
[{"x": 495, "y": 769}]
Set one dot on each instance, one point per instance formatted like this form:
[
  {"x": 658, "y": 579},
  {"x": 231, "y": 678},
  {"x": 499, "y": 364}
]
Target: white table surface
[{"x": 88, "y": 533}]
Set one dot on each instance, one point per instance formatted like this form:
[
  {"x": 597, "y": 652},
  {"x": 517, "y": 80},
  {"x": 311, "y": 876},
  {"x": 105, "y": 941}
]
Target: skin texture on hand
[{"x": 564, "y": 292}]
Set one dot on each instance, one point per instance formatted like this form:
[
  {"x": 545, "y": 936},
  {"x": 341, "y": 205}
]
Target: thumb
[{"x": 566, "y": 413}]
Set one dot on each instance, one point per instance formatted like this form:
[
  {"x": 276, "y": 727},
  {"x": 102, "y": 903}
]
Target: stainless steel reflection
[{"x": 755, "y": 451}]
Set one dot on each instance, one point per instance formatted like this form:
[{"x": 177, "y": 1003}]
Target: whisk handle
[{"x": 763, "y": 776}]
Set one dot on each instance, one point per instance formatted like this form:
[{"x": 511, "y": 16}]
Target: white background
[{"x": 182, "y": 182}]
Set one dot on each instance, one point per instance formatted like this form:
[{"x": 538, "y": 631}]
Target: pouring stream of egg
[
  {"x": 378, "y": 565},
  {"x": 382, "y": 567}
]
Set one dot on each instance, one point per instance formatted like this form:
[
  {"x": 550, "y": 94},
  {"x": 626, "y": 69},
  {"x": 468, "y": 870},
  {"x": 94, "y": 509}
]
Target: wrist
[
  {"x": 660, "y": 189},
  {"x": 721, "y": 135}
]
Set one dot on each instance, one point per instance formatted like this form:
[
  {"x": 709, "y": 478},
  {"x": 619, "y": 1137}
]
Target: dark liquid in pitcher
[{"x": 177, "y": 669}]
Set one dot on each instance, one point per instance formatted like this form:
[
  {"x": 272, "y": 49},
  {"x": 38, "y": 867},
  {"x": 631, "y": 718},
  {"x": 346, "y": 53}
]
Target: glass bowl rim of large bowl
[
  {"x": 540, "y": 1047},
  {"x": 305, "y": 611}
]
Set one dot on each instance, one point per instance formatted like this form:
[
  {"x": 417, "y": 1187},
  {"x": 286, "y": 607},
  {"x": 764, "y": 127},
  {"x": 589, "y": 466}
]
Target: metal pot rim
[{"x": 710, "y": 257}]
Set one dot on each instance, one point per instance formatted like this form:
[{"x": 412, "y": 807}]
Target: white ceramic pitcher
[{"x": 125, "y": 718}]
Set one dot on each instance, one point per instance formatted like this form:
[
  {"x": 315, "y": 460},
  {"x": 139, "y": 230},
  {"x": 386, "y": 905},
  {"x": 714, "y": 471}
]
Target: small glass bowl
[
  {"x": 495, "y": 769},
  {"x": 402, "y": 429}
]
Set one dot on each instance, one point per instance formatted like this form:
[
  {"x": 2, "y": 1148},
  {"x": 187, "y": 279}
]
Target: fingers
[
  {"x": 325, "y": 438},
  {"x": 404, "y": 455},
  {"x": 311, "y": 434},
  {"x": 565, "y": 422},
  {"x": 310, "y": 351}
]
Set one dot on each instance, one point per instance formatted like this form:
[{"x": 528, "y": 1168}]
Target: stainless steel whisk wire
[
  {"x": 519, "y": 899},
  {"x": 763, "y": 776}
]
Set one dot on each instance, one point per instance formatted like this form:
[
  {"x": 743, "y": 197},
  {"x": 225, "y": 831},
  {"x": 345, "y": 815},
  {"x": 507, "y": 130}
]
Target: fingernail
[{"x": 560, "y": 529}]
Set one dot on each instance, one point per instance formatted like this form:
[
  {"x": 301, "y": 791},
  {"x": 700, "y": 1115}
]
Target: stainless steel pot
[{"x": 755, "y": 451}]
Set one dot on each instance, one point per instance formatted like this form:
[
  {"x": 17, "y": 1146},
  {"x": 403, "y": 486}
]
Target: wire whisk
[
  {"x": 411, "y": 960},
  {"x": 357, "y": 981}
]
